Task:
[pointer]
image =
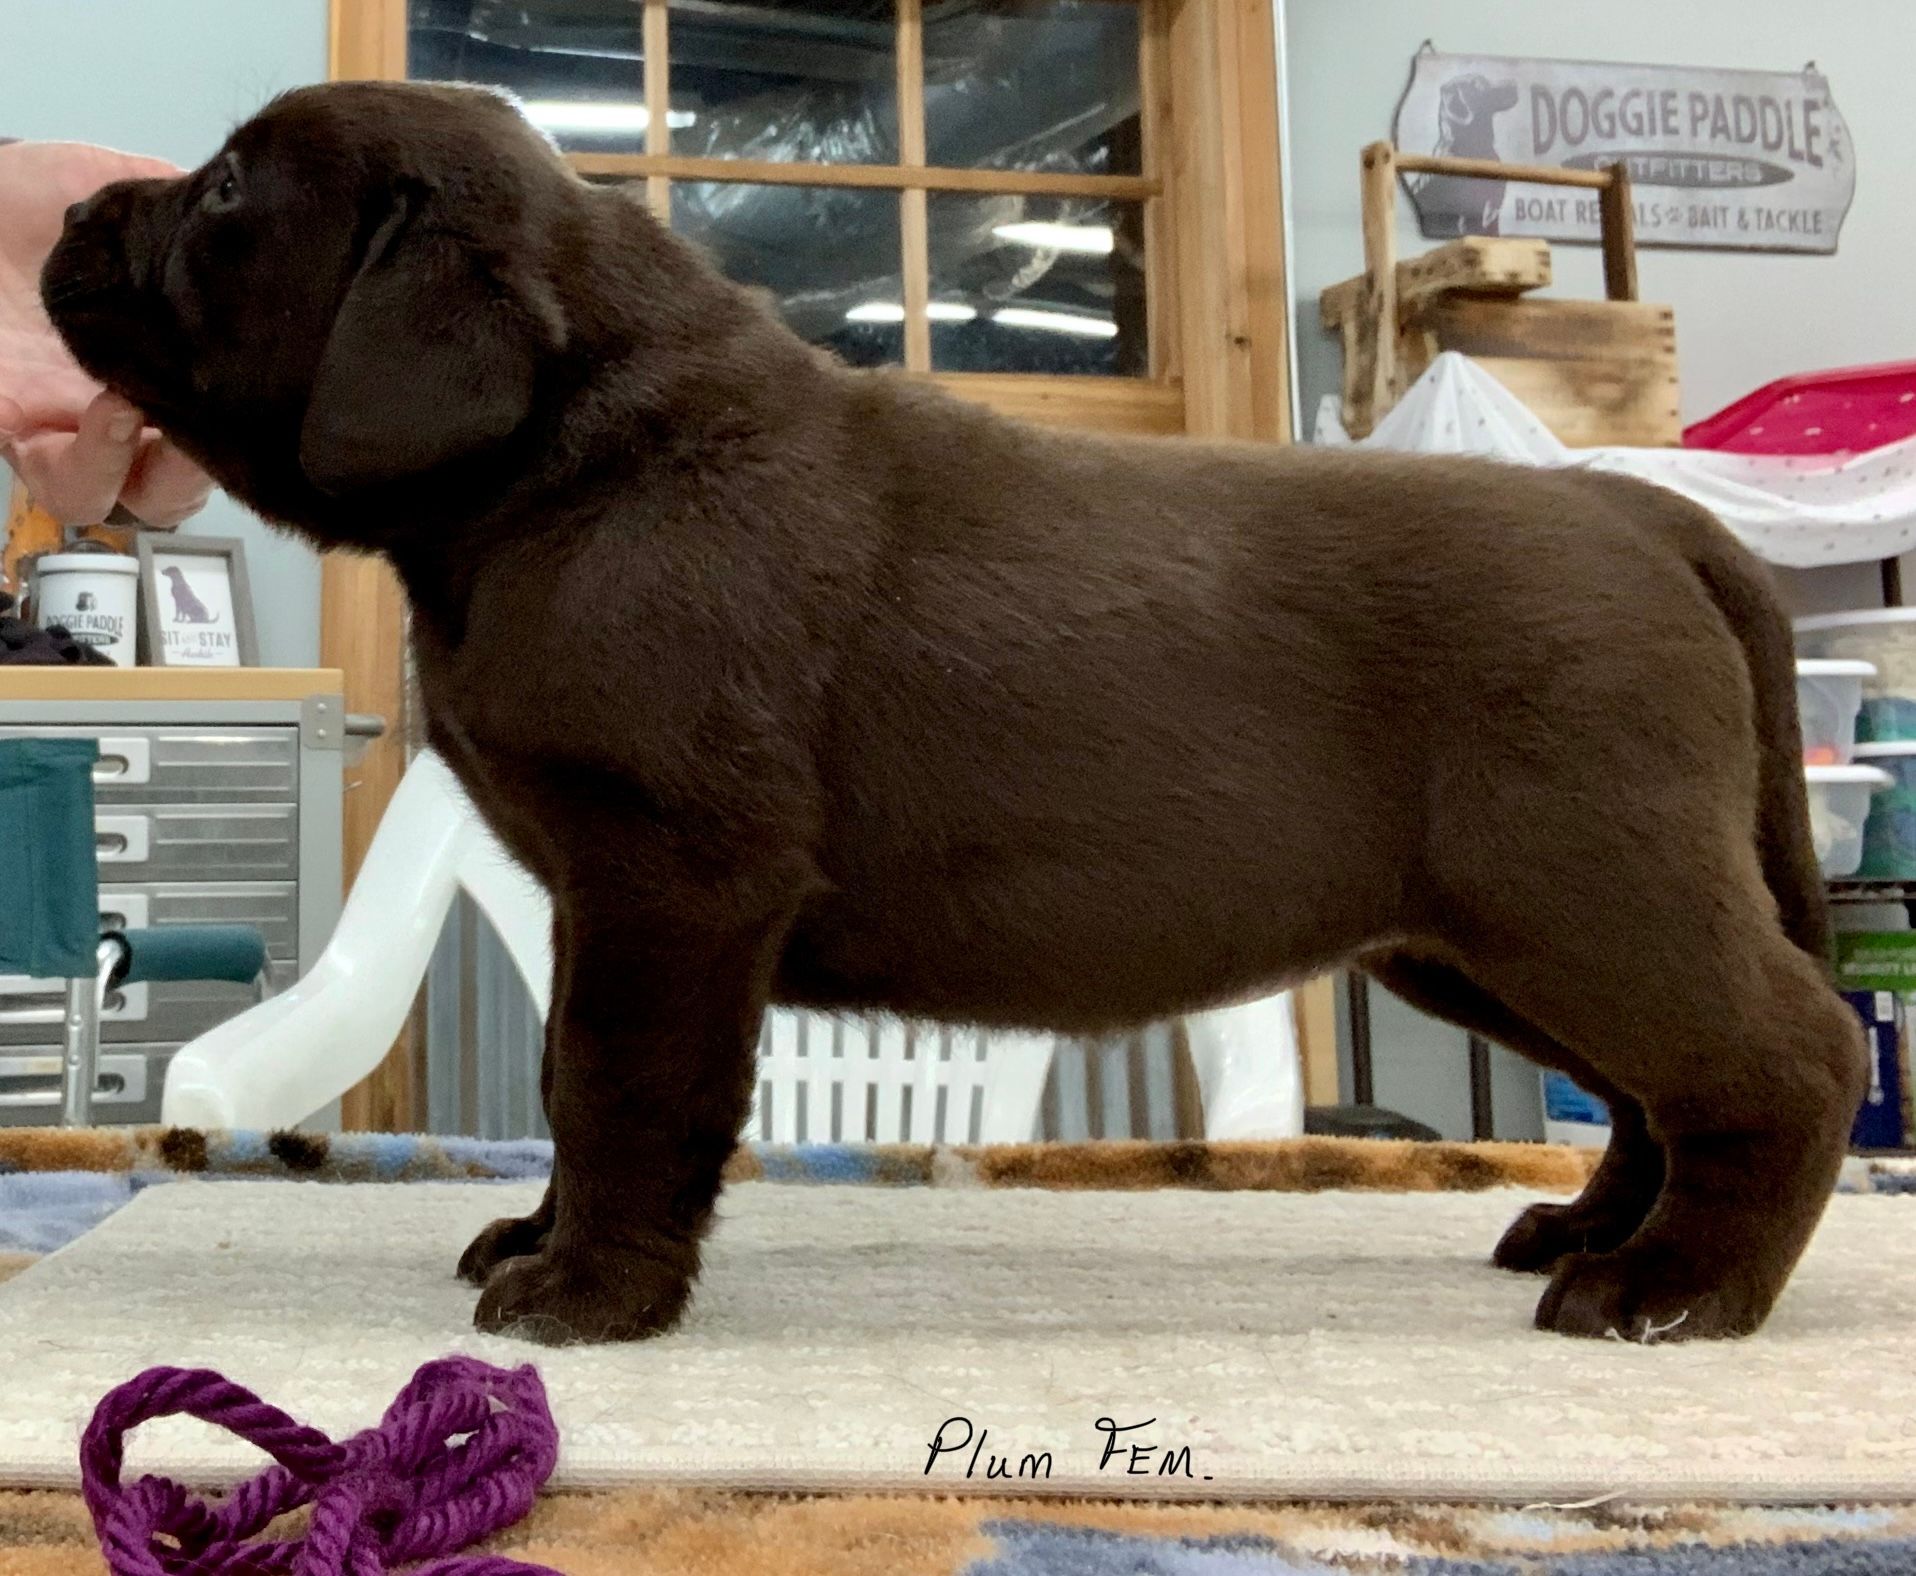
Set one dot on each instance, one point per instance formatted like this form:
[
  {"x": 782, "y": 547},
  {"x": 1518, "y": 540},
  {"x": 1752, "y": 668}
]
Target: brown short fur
[{"x": 799, "y": 684}]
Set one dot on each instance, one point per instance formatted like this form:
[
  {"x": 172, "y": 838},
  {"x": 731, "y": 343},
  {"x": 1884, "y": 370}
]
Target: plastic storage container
[
  {"x": 1884, "y": 637},
  {"x": 1829, "y": 695},
  {"x": 1572, "y": 1115},
  {"x": 1869, "y": 919},
  {"x": 1839, "y": 809},
  {"x": 1845, "y": 410},
  {"x": 1889, "y": 837}
]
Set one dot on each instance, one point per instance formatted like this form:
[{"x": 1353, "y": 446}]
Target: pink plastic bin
[{"x": 1848, "y": 411}]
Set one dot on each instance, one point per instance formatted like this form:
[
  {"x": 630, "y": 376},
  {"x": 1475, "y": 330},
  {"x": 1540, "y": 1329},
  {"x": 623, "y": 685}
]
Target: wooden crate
[{"x": 1594, "y": 372}]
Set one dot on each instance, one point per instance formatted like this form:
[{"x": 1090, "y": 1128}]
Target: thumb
[
  {"x": 111, "y": 420},
  {"x": 12, "y": 418}
]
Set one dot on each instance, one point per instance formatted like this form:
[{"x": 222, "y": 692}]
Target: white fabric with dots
[{"x": 1798, "y": 511}]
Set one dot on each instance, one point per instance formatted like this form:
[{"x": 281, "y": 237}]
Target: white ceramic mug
[{"x": 94, "y": 596}]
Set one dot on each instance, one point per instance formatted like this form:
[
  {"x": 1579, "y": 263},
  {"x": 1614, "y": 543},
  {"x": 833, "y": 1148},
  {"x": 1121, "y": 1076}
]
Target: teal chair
[{"x": 50, "y": 910}]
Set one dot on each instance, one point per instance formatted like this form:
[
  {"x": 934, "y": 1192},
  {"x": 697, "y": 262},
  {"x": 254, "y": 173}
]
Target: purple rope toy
[{"x": 398, "y": 1493}]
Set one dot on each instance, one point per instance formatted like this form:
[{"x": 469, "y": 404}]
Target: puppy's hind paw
[{"x": 1647, "y": 1301}]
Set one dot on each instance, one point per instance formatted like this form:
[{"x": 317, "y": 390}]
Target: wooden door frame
[
  {"x": 362, "y": 627},
  {"x": 1217, "y": 251}
]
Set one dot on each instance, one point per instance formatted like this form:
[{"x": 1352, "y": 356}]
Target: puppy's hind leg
[
  {"x": 1624, "y": 1186},
  {"x": 1677, "y": 983}
]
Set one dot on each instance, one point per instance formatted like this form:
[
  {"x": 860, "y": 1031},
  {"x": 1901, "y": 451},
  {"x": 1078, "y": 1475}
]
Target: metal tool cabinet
[{"x": 218, "y": 798}]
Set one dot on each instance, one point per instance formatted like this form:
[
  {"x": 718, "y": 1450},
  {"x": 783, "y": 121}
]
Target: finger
[
  {"x": 77, "y": 477},
  {"x": 12, "y": 418},
  {"x": 164, "y": 487}
]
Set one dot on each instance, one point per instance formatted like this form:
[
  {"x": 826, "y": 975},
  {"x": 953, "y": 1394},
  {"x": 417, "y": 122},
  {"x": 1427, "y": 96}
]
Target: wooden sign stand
[{"x": 1595, "y": 372}]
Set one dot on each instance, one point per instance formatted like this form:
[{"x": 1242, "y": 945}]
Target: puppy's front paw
[
  {"x": 571, "y": 1299},
  {"x": 514, "y": 1237},
  {"x": 1650, "y": 1298}
]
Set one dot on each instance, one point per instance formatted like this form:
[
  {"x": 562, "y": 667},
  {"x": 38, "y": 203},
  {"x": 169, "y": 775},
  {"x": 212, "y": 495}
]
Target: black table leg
[
  {"x": 1357, "y": 997},
  {"x": 1483, "y": 1119}
]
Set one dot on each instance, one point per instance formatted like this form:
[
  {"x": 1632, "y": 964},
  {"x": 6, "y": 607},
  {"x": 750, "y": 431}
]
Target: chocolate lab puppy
[{"x": 806, "y": 685}]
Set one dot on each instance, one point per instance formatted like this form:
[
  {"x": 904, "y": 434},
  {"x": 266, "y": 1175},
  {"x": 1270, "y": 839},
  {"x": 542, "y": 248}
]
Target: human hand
[{"x": 79, "y": 448}]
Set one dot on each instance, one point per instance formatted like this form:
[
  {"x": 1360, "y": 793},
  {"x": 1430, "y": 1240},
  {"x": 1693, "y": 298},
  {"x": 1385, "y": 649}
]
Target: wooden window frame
[
  {"x": 1214, "y": 274},
  {"x": 1217, "y": 325}
]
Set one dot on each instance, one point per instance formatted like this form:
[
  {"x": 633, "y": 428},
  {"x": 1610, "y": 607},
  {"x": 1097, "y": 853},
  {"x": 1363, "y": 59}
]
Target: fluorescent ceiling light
[
  {"x": 1094, "y": 240},
  {"x": 892, "y": 312},
  {"x": 1056, "y": 322},
  {"x": 605, "y": 116}
]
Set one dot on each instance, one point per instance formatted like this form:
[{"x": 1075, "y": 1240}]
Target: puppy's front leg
[
  {"x": 518, "y": 1236},
  {"x": 651, "y": 1058}
]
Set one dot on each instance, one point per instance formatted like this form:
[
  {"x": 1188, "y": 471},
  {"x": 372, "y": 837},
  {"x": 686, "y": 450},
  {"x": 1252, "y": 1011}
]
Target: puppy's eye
[{"x": 223, "y": 194}]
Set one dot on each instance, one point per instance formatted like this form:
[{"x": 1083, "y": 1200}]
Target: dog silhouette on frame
[{"x": 187, "y": 607}]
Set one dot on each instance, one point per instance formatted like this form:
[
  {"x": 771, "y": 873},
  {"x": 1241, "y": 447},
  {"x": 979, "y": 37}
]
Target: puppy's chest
[
  {"x": 488, "y": 697},
  {"x": 534, "y": 701}
]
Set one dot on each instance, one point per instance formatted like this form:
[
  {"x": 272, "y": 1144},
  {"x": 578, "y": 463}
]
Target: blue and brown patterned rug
[{"x": 53, "y": 1186}]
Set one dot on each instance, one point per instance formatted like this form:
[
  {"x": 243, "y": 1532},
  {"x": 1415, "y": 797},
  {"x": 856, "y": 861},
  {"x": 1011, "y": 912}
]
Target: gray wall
[
  {"x": 1742, "y": 319},
  {"x": 171, "y": 78}
]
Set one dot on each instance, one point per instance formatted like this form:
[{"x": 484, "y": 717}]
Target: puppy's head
[{"x": 355, "y": 291}]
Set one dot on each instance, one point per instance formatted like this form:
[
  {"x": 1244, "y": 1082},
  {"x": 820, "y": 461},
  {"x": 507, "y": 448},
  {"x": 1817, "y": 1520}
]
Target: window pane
[
  {"x": 1037, "y": 284},
  {"x": 814, "y": 82},
  {"x": 1032, "y": 85},
  {"x": 829, "y": 256},
  {"x": 577, "y": 64}
]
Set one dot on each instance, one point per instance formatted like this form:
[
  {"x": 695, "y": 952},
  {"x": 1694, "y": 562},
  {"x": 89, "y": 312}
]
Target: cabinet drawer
[
  {"x": 181, "y": 765},
  {"x": 172, "y": 1011},
  {"x": 128, "y": 1089},
  {"x": 169, "y": 1011},
  {"x": 141, "y": 843},
  {"x": 270, "y": 907}
]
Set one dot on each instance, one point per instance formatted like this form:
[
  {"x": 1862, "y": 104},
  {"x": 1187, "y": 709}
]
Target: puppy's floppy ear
[{"x": 432, "y": 356}]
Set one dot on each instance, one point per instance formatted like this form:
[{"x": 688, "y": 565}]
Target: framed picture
[{"x": 196, "y": 608}]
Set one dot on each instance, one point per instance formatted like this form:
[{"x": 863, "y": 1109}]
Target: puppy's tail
[{"x": 1740, "y": 585}]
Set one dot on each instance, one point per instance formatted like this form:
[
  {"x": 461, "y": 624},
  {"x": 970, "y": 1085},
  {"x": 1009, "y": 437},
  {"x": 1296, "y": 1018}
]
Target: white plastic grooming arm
[
  {"x": 280, "y": 1062},
  {"x": 1248, "y": 1069},
  {"x": 277, "y": 1064}
]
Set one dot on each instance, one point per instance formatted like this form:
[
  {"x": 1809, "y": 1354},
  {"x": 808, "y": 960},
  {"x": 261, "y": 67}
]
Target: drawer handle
[
  {"x": 124, "y": 761},
  {"x": 123, "y": 839}
]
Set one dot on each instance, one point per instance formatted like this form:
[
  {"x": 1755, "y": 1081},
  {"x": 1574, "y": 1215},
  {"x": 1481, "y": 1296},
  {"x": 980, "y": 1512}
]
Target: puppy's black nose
[{"x": 77, "y": 212}]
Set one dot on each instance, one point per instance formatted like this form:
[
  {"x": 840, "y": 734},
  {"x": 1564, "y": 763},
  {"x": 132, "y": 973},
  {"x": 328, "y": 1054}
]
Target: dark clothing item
[{"x": 21, "y": 645}]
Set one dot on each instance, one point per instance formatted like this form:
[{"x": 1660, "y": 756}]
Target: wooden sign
[{"x": 1741, "y": 160}]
